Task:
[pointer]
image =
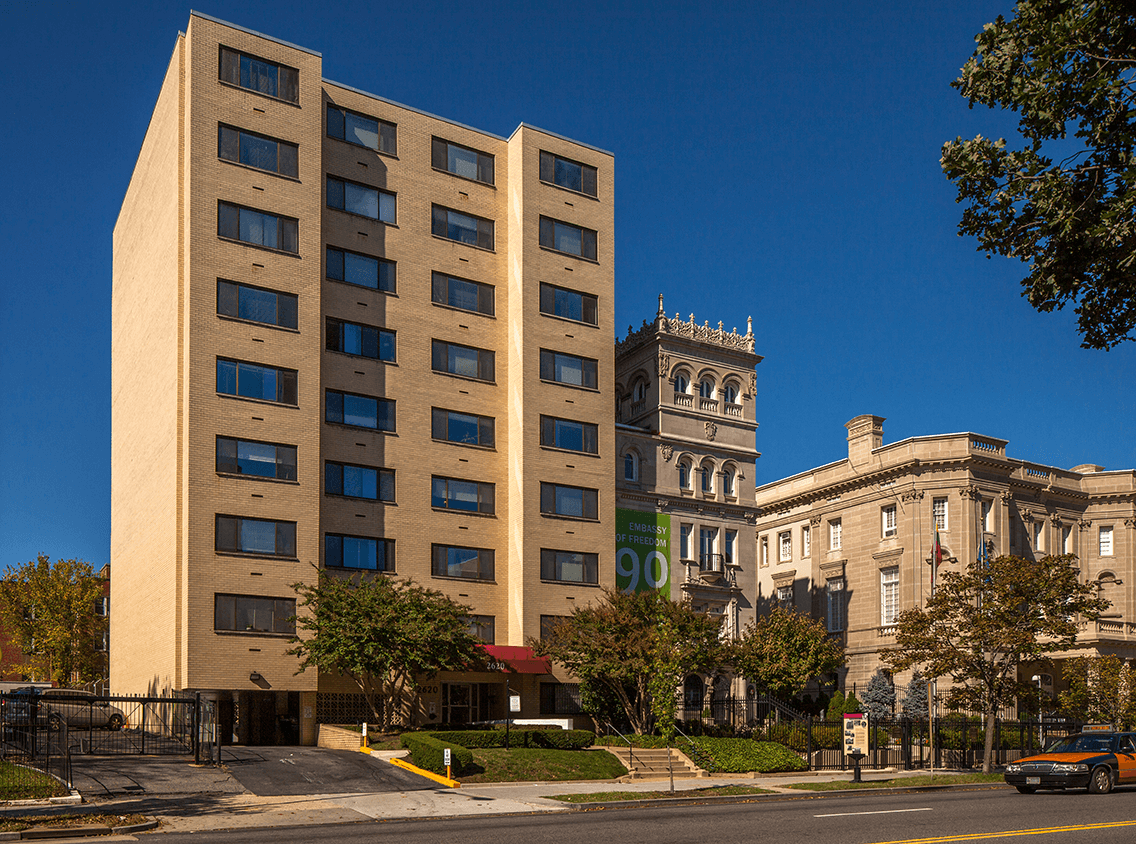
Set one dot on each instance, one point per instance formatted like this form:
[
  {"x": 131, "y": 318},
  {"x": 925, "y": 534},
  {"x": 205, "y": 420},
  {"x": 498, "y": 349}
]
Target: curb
[
  {"x": 72, "y": 799},
  {"x": 430, "y": 775},
  {"x": 45, "y": 833}
]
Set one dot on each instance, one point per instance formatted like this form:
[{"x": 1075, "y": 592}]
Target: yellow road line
[{"x": 979, "y": 836}]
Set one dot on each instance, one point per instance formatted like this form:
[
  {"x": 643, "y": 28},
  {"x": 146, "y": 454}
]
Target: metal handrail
[
  {"x": 699, "y": 754},
  {"x": 630, "y": 746}
]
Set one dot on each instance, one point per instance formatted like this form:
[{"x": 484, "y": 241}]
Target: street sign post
[{"x": 855, "y": 741}]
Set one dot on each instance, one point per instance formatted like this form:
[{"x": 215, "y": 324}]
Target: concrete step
[{"x": 648, "y": 763}]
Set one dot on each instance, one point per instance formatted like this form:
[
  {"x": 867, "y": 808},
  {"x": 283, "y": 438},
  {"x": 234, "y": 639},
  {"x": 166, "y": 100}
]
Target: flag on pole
[{"x": 936, "y": 558}]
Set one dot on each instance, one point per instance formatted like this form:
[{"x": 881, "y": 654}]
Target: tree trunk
[{"x": 988, "y": 756}]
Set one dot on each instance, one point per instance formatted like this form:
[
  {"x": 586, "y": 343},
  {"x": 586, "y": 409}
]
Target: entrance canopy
[{"x": 517, "y": 659}]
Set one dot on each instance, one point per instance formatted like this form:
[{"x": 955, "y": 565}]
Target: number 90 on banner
[
  {"x": 633, "y": 576},
  {"x": 642, "y": 551}
]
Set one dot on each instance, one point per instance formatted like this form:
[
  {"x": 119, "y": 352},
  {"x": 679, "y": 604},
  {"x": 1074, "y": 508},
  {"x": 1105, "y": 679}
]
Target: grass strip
[
  {"x": 20, "y": 783},
  {"x": 540, "y": 764},
  {"x": 63, "y": 821},
  {"x": 614, "y": 796},
  {"x": 900, "y": 782}
]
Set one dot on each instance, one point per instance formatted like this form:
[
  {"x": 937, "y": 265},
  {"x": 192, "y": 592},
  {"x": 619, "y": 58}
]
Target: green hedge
[
  {"x": 558, "y": 739},
  {"x": 426, "y": 752}
]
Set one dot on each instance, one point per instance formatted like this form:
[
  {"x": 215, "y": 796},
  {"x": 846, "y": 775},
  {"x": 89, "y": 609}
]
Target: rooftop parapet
[{"x": 677, "y": 326}]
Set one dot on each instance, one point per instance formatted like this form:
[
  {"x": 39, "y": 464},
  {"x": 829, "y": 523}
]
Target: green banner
[{"x": 642, "y": 551}]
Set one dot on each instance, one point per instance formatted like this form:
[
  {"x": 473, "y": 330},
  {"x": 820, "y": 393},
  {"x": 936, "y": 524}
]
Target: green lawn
[
  {"x": 20, "y": 783},
  {"x": 901, "y": 782},
  {"x": 612, "y": 796},
  {"x": 540, "y": 764}
]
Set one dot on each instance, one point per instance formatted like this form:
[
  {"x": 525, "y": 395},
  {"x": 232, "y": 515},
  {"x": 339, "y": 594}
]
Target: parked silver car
[{"x": 79, "y": 709}]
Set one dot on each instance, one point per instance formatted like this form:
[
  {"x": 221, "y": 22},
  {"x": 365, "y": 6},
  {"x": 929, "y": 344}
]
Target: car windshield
[{"x": 1082, "y": 744}]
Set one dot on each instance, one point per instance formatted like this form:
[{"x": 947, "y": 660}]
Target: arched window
[
  {"x": 730, "y": 393},
  {"x": 630, "y": 467},
  {"x": 684, "y": 475},
  {"x": 693, "y": 692},
  {"x": 641, "y": 391},
  {"x": 706, "y": 388},
  {"x": 681, "y": 383},
  {"x": 728, "y": 482},
  {"x": 707, "y": 472}
]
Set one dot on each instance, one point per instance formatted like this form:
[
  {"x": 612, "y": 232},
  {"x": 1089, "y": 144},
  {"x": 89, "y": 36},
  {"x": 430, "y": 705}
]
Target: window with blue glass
[
  {"x": 465, "y": 428},
  {"x": 568, "y": 369},
  {"x": 258, "y": 459},
  {"x": 260, "y": 75},
  {"x": 463, "y": 294},
  {"x": 363, "y": 131},
  {"x": 568, "y": 304},
  {"x": 256, "y": 304},
  {"x": 353, "y": 481},
  {"x": 566, "y": 173},
  {"x": 253, "y": 614},
  {"x": 361, "y": 270},
  {"x": 567, "y": 238},
  {"x": 256, "y": 381},
  {"x": 458, "y": 561},
  {"x": 366, "y": 341},
  {"x": 464, "y": 228},
  {"x": 569, "y": 434},
  {"x": 462, "y": 161},
  {"x": 359, "y": 411},
  {"x": 358, "y": 552},
  {"x": 359, "y": 199},
  {"x": 260, "y": 151},
  {"x": 569, "y": 566},
  {"x": 264, "y": 537},
  {"x": 466, "y": 361},
  {"x": 572, "y": 501},
  {"x": 456, "y": 494},
  {"x": 258, "y": 228}
]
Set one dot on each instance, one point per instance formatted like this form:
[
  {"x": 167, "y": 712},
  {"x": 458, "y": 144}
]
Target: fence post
[
  {"x": 142, "y": 733},
  {"x": 197, "y": 728}
]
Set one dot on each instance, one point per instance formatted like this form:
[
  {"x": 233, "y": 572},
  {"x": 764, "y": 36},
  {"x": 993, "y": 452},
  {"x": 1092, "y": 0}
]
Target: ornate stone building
[{"x": 850, "y": 541}]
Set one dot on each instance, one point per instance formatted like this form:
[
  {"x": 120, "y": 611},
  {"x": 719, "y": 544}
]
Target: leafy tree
[
  {"x": 879, "y": 696},
  {"x": 782, "y": 651},
  {"x": 638, "y": 647},
  {"x": 984, "y": 622},
  {"x": 852, "y": 705},
  {"x": 835, "y": 707},
  {"x": 1063, "y": 206},
  {"x": 915, "y": 697},
  {"x": 51, "y": 611},
  {"x": 1101, "y": 688},
  {"x": 382, "y": 633}
]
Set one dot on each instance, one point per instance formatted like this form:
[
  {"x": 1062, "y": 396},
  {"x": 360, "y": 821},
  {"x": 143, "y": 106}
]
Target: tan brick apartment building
[
  {"x": 351, "y": 334},
  {"x": 850, "y": 541}
]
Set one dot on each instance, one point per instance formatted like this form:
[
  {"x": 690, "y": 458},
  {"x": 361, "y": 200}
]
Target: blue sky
[{"x": 773, "y": 159}]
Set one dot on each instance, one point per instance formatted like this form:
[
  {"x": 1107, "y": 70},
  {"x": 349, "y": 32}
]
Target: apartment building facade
[
  {"x": 850, "y": 542},
  {"x": 341, "y": 327}
]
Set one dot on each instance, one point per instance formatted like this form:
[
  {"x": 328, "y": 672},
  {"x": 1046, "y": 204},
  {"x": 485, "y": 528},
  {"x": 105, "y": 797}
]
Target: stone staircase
[{"x": 644, "y": 763}]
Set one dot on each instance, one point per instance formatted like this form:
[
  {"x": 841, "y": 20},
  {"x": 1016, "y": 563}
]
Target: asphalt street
[
  {"x": 980, "y": 814},
  {"x": 293, "y": 771}
]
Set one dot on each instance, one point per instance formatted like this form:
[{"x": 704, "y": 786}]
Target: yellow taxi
[{"x": 1098, "y": 758}]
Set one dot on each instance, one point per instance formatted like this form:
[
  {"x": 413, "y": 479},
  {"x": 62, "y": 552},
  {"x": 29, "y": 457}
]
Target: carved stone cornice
[
  {"x": 911, "y": 495},
  {"x": 1027, "y": 517},
  {"x": 834, "y": 568},
  {"x": 711, "y": 431},
  {"x": 815, "y": 521},
  {"x": 1130, "y": 523},
  {"x": 667, "y": 451},
  {"x": 1007, "y": 498},
  {"x": 664, "y": 364},
  {"x": 970, "y": 493},
  {"x": 1085, "y": 524},
  {"x": 689, "y": 329}
]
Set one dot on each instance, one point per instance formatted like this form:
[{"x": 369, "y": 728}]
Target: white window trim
[
  {"x": 835, "y": 535},
  {"x": 1105, "y": 549},
  {"x": 945, "y": 526},
  {"x": 885, "y": 511},
  {"x": 889, "y": 585}
]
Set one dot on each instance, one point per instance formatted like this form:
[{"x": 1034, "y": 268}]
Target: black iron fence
[
  {"x": 37, "y": 722},
  {"x": 27, "y": 754}
]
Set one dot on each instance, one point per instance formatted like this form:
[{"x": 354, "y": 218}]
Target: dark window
[
  {"x": 567, "y": 238},
  {"x": 465, "y": 428},
  {"x": 259, "y": 151},
  {"x": 358, "y": 552},
  {"x": 481, "y": 627},
  {"x": 462, "y": 161},
  {"x": 567, "y": 173},
  {"x": 568, "y": 304},
  {"x": 260, "y": 75},
  {"x": 360, "y": 411},
  {"x": 464, "y": 228},
  {"x": 363, "y": 270},
  {"x": 256, "y": 536},
  {"x": 362, "y": 340},
  {"x": 467, "y": 496},
  {"x": 569, "y": 566},
  {"x": 469, "y": 563},
  {"x": 567, "y": 369},
  {"x": 258, "y": 228},
  {"x": 548, "y": 625},
  {"x": 462, "y": 293},
  {"x": 573, "y": 501},
  {"x": 250, "y": 614},
  {"x": 566, "y": 433},
  {"x": 262, "y": 460},
  {"x": 560, "y": 699},
  {"x": 362, "y": 131},
  {"x": 256, "y": 304},
  {"x": 462, "y": 360},
  {"x": 359, "y": 481},
  {"x": 359, "y": 199},
  {"x": 256, "y": 381}
]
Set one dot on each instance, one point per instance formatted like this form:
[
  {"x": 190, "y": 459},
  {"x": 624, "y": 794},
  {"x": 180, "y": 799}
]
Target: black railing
[{"x": 712, "y": 562}]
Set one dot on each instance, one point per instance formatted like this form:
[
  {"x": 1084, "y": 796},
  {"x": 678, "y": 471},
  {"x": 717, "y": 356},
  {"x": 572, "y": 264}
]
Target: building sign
[
  {"x": 642, "y": 551},
  {"x": 855, "y": 735}
]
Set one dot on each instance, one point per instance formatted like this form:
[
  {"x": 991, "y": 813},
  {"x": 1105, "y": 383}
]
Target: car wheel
[
  {"x": 1027, "y": 789},
  {"x": 115, "y": 722},
  {"x": 1100, "y": 782},
  {"x": 54, "y": 723}
]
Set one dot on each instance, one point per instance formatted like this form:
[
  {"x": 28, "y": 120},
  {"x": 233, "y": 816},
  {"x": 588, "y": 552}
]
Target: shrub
[
  {"x": 426, "y": 752},
  {"x": 559, "y": 739},
  {"x": 739, "y": 756}
]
